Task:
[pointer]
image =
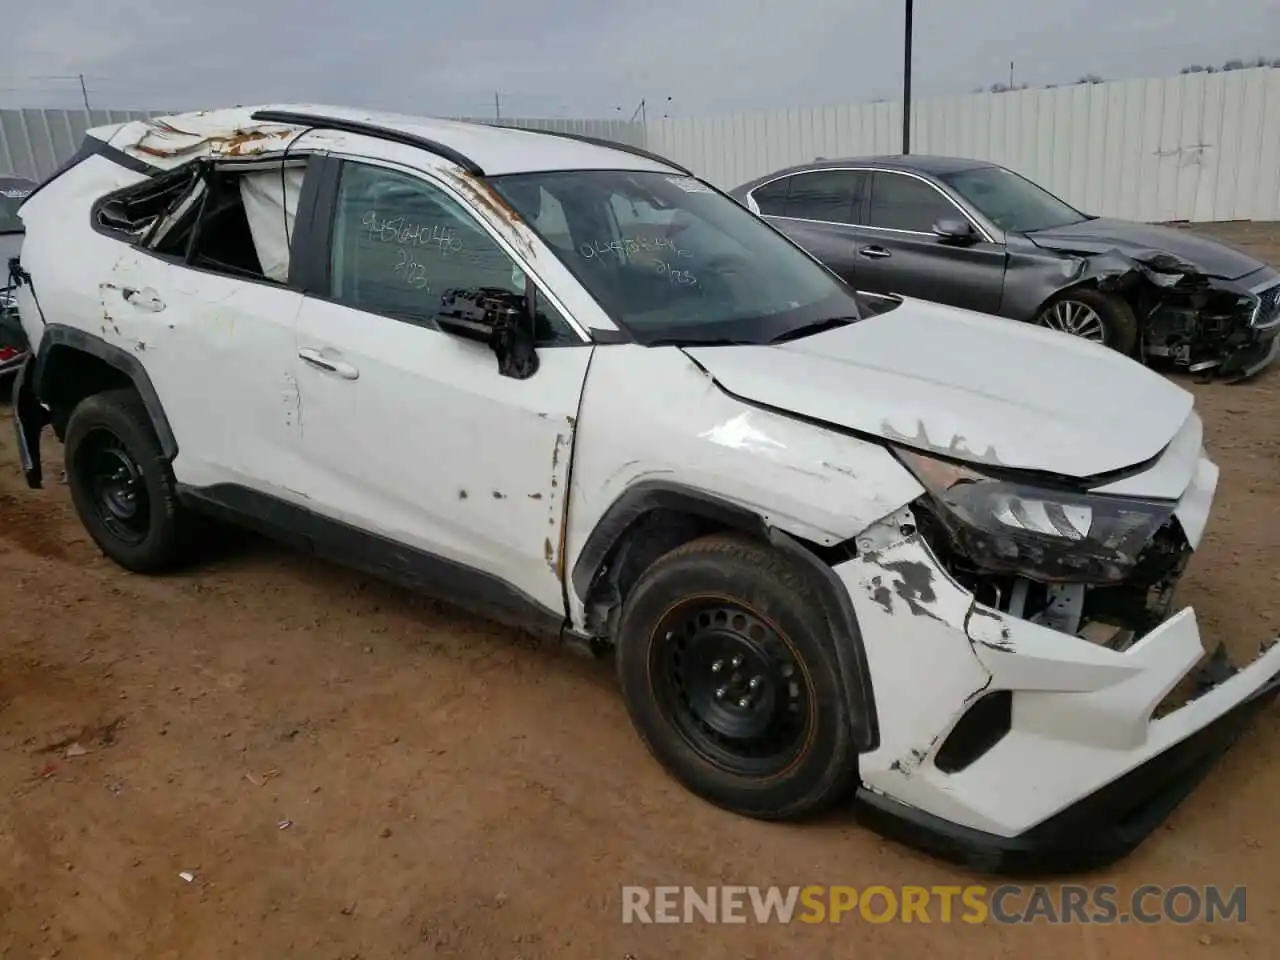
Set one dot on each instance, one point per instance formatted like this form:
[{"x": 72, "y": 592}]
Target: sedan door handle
[
  {"x": 874, "y": 253},
  {"x": 340, "y": 367},
  {"x": 144, "y": 299}
]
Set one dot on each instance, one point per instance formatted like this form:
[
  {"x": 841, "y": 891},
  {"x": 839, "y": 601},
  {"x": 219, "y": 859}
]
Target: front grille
[{"x": 1267, "y": 311}]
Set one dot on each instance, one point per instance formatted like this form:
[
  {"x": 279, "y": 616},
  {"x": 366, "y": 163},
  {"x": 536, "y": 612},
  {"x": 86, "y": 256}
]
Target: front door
[
  {"x": 412, "y": 433},
  {"x": 898, "y": 252}
]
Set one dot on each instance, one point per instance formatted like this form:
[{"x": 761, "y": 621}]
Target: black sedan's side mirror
[{"x": 954, "y": 231}]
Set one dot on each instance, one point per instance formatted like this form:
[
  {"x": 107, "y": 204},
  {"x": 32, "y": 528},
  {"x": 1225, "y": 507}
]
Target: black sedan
[
  {"x": 13, "y": 190},
  {"x": 976, "y": 235}
]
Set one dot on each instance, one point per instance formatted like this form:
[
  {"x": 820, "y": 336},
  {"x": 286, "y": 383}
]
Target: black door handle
[{"x": 874, "y": 253}]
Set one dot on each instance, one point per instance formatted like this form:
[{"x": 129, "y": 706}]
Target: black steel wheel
[
  {"x": 116, "y": 488},
  {"x": 121, "y": 484},
  {"x": 731, "y": 685},
  {"x": 729, "y": 674}
]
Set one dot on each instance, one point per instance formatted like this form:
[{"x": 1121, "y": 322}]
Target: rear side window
[
  {"x": 772, "y": 197},
  {"x": 900, "y": 202},
  {"x": 831, "y": 195},
  {"x": 235, "y": 219}
]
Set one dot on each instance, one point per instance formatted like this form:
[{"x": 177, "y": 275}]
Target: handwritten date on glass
[
  {"x": 678, "y": 278},
  {"x": 404, "y": 232},
  {"x": 410, "y": 270}
]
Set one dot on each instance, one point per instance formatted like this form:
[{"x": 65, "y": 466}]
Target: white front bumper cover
[{"x": 1083, "y": 773}]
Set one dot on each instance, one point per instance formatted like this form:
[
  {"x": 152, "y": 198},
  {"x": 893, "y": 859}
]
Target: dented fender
[
  {"x": 1034, "y": 276},
  {"x": 652, "y": 414}
]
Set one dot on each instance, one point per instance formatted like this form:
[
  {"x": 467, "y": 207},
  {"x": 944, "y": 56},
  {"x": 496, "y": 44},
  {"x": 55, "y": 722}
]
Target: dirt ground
[{"x": 346, "y": 770}]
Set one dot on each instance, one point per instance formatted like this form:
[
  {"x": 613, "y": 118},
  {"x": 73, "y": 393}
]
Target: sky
[{"x": 574, "y": 58}]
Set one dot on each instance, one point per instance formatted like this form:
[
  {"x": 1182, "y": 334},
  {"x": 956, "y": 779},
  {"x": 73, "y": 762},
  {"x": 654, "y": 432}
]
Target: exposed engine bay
[{"x": 1199, "y": 323}]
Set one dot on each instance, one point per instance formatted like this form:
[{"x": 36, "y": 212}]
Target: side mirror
[
  {"x": 496, "y": 317},
  {"x": 954, "y": 231}
]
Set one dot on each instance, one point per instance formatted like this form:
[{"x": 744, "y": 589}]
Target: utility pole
[
  {"x": 1010, "y": 74},
  {"x": 497, "y": 107},
  {"x": 906, "y": 84},
  {"x": 84, "y": 92}
]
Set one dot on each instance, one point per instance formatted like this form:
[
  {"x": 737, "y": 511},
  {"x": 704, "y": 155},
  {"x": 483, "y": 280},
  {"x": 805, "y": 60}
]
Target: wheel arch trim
[
  {"x": 642, "y": 498},
  {"x": 57, "y": 336}
]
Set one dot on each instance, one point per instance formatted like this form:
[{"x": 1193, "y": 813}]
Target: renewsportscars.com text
[{"x": 1005, "y": 904}]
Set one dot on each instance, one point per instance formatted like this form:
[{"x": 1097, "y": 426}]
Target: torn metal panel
[{"x": 215, "y": 135}]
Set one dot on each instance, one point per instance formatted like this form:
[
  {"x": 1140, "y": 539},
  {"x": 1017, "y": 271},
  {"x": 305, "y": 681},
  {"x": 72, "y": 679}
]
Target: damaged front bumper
[{"x": 1013, "y": 748}]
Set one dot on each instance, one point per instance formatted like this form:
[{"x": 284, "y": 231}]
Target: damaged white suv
[{"x": 839, "y": 545}]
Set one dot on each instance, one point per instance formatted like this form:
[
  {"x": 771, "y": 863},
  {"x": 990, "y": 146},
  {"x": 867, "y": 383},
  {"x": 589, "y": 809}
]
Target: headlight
[{"x": 1053, "y": 536}]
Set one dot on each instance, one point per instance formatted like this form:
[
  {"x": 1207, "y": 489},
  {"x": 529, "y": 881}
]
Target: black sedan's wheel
[
  {"x": 121, "y": 484},
  {"x": 729, "y": 675},
  {"x": 1093, "y": 316}
]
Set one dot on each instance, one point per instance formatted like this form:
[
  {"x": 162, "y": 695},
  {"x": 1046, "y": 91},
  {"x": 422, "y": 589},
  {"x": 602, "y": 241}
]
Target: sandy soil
[{"x": 447, "y": 789}]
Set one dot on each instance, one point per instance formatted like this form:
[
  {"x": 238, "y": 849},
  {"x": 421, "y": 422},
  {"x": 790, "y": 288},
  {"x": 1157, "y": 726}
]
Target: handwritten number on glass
[
  {"x": 631, "y": 246},
  {"x": 406, "y": 233}
]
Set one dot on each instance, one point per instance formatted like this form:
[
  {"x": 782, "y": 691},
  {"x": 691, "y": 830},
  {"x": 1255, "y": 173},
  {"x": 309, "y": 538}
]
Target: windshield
[
  {"x": 12, "y": 192},
  {"x": 1012, "y": 202},
  {"x": 672, "y": 261}
]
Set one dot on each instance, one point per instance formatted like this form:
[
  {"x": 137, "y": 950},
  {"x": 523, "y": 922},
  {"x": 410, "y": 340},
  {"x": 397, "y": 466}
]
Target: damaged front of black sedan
[{"x": 1217, "y": 314}]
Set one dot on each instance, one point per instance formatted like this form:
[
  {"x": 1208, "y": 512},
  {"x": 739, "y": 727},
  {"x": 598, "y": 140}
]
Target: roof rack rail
[
  {"x": 601, "y": 142},
  {"x": 344, "y": 125}
]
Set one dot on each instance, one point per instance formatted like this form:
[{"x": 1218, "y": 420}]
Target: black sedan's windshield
[
  {"x": 673, "y": 261},
  {"x": 13, "y": 191},
  {"x": 1012, "y": 202}
]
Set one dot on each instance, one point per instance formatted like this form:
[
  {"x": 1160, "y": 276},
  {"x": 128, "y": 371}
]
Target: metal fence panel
[{"x": 1191, "y": 147}]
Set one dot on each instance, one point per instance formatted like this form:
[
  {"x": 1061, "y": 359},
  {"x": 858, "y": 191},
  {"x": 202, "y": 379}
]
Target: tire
[
  {"x": 133, "y": 516},
  {"x": 709, "y": 600},
  {"x": 1119, "y": 326}
]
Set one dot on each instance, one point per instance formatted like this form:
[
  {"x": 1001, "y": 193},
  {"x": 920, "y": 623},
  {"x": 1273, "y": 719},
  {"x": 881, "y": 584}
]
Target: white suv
[{"x": 837, "y": 544}]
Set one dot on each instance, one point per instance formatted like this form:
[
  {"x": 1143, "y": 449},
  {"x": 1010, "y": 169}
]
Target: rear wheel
[
  {"x": 1092, "y": 315},
  {"x": 729, "y": 675},
  {"x": 121, "y": 484}
]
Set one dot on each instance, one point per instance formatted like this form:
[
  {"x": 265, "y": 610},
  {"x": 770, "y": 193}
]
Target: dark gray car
[
  {"x": 13, "y": 190},
  {"x": 976, "y": 235}
]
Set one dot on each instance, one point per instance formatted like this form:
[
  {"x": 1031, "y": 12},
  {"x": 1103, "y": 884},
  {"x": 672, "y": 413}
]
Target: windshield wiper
[{"x": 808, "y": 329}]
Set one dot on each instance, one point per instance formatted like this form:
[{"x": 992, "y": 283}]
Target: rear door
[
  {"x": 899, "y": 252},
  {"x": 204, "y": 302},
  {"x": 818, "y": 210}
]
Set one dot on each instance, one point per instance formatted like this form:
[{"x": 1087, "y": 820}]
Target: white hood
[{"x": 966, "y": 385}]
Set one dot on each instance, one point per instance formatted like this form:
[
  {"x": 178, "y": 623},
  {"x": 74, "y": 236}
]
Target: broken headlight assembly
[{"x": 1051, "y": 535}]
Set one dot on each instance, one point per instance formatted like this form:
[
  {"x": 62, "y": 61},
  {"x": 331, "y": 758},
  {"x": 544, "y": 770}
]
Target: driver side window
[{"x": 400, "y": 245}]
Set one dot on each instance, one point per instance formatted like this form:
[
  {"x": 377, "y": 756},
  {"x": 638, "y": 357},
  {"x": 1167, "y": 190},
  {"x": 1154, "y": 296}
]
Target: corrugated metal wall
[
  {"x": 1193, "y": 147},
  {"x": 34, "y": 142}
]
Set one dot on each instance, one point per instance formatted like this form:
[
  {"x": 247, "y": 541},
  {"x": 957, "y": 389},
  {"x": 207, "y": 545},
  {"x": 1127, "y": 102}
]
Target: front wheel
[
  {"x": 729, "y": 675},
  {"x": 1092, "y": 315}
]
